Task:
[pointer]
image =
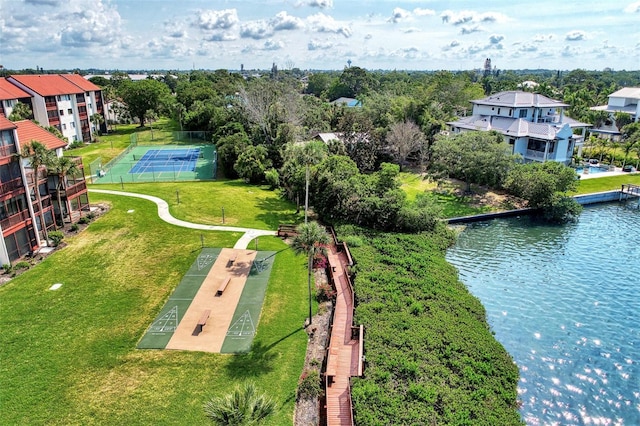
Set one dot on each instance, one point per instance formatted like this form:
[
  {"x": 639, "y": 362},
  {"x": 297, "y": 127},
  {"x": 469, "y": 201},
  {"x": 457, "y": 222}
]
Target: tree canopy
[{"x": 144, "y": 95}]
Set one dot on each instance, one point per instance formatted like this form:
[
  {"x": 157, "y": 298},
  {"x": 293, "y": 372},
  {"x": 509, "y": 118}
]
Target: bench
[
  {"x": 203, "y": 319},
  {"x": 223, "y": 286},
  {"x": 233, "y": 257}
]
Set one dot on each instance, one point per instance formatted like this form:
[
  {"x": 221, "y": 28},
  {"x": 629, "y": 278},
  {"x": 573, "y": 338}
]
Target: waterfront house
[
  {"x": 625, "y": 100},
  {"x": 534, "y": 126}
]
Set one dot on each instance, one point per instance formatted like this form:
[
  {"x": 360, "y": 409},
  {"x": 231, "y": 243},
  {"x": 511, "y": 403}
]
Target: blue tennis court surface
[{"x": 167, "y": 160}]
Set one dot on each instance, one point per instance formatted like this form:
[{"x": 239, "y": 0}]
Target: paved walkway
[{"x": 163, "y": 211}]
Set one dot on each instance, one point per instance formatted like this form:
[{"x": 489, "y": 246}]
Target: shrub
[
  {"x": 76, "y": 144},
  {"x": 56, "y": 237},
  {"x": 309, "y": 384},
  {"x": 7, "y": 268},
  {"x": 273, "y": 178},
  {"x": 353, "y": 241},
  {"x": 84, "y": 220},
  {"x": 23, "y": 264},
  {"x": 244, "y": 406},
  {"x": 74, "y": 227},
  {"x": 325, "y": 293}
]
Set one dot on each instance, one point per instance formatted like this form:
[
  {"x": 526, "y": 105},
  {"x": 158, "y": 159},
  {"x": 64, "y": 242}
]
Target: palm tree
[
  {"x": 311, "y": 153},
  {"x": 243, "y": 406},
  {"x": 97, "y": 120},
  {"x": 62, "y": 167},
  {"x": 311, "y": 240},
  {"x": 38, "y": 156}
]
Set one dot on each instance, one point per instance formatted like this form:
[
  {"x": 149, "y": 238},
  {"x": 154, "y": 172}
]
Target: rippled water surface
[{"x": 565, "y": 302}]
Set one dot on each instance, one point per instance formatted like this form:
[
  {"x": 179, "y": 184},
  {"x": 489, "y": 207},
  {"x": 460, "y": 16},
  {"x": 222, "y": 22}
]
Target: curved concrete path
[{"x": 163, "y": 211}]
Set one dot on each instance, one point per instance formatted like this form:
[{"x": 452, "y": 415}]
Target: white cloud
[
  {"x": 368, "y": 37},
  {"x": 272, "y": 45},
  {"x": 97, "y": 26},
  {"x": 527, "y": 47},
  {"x": 412, "y": 30},
  {"x": 495, "y": 38},
  {"x": 284, "y": 21},
  {"x": 322, "y": 4},
  {"x": 217, "y": 19},
  {"x": 423, "y": 12},
  {"x": 175, "y": 29},
  {"x": 633, "y": 7},
  {"x": 398, "y": 14},
  {"x": 256, "y": 29},
  {"x": 468, "y": 16},
  {"x": 326, "y": 24},
  {"x": 575, "y": 35},
  {"x": 221, "y": 36},
  {"x": 319, "y": 45},
  {"x": 44, "y": 2},
  {"x": 470, "y": 29}
]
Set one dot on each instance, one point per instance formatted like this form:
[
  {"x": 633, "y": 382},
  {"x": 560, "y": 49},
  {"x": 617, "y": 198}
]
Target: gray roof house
[
  {"x": 533, "y": 125},
  {"x": 624, "y": 100}
]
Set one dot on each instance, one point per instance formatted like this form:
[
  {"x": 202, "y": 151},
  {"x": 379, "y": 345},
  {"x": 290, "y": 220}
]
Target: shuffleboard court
[
  {"x": 244, "y": 323},
  {"x": 216, "y": 307},
  {"x": 166, "y": 323}
]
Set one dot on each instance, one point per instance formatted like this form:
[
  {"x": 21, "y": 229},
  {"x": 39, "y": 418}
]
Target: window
[
  {"x": 523, "y": 113},
  {"x": 64, "y": 126},
  {"x": 70, "y": 111},
  {"x": 498, "y": 111},
  {"x": 82, "y": 109},
  {"x": 61, "y": 112},
  {"x": 73, "y": 125},
  {"x": 52, "y": 114}
]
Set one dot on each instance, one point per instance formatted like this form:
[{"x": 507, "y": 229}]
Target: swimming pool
[{"x": 592, "y": 169}]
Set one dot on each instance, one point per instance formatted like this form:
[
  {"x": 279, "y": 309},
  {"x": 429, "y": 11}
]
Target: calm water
[{"x": 565, "y": 302}]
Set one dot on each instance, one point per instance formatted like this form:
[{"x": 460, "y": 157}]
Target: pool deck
[{"x": 616, "y": 172}]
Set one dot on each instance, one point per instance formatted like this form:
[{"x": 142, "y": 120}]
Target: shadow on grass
[{"x": 258, "y": 360}]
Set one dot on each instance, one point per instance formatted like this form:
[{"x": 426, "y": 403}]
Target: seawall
[{"x": 583, "y": 199}]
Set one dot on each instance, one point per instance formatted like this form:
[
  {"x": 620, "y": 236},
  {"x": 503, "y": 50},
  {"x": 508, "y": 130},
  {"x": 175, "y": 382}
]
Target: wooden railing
[
  {"x": 15, "y": 219},
  {"x": 13, "y": 184}
]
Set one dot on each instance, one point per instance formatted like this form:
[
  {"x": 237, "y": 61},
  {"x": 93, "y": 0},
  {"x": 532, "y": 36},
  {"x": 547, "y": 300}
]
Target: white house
[
  {"x": 624, "y": 100},
  {"x": 532, "y": 124}
]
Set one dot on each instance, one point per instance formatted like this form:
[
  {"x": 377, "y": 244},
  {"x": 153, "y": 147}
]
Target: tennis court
[
  {"x": 167, "y": 160},
  {"x": 154, "y": 163}
]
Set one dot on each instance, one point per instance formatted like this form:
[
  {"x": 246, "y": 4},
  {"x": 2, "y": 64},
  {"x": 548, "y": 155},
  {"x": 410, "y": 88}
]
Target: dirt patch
[{"x": 481, "y": 196}]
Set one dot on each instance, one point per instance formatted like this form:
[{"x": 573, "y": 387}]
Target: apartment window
[
  {"x": 498, "y": 111},
  {"x": 82, "y": 109},
  {"x": 64, "y": 126},
  {"x": 73, "y": 125},
  {"x": 52, "y": 114},
  {"x": 61, "y": 112},
  {"x": 70, "y": 111},
  {"x": 523, "y": 113}
]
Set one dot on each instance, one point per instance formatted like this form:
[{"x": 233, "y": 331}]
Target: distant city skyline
[{"x": 319, "y": 34}]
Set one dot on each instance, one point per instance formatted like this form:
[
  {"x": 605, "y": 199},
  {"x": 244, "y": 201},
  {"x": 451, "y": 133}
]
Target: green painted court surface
[
  {"x": 244, "y": 323},
  {"x": 118, "y": 170}
]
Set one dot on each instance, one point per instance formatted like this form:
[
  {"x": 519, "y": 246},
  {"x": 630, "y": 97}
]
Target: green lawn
[
  {"x": 588, "y": 186},
  {"x": 202, "y": 202},
  {"x": 69, "y": 357}
]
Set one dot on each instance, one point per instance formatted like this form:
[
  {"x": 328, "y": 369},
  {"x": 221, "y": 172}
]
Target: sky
[{"x": 319, "y": 34}]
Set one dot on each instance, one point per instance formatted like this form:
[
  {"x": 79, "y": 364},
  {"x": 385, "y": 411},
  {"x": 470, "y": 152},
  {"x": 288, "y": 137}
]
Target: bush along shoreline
[{"x": 431, "y": 357}]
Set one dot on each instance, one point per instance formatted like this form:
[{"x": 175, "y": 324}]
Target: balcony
[
  {"x": 12, "y": 185},
  {"x": 7, "y": 150},
  {"x": 15, "y": 219},
  {"x": 74, "y": 189}
]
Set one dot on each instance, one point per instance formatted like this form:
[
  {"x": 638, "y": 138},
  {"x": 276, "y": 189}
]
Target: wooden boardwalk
[{"x": 345, "y": 352}]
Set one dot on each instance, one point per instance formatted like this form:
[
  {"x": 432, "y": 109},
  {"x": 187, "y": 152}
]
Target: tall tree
[
  {"x": 97, "y": 120},
  {"x": 311, "y": 240},
  {"x": 403, "y": 139},
  {"x": 39, "y": 157},
  {"x": 252, "y": 163},
  {"x": 62, "y": 167},
  {"x": 475, "y": 157},
  {"x": 141, "y": 96}
]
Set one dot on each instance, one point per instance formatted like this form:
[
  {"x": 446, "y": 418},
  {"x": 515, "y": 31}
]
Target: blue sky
[{"x": 319, "y": 34}]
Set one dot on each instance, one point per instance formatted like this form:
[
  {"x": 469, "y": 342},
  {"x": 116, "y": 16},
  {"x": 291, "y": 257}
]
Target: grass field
[
  {"x": 69, "y": 357},
  {"x": 202, "y": 202},
  {"x": 607, "y": 183}
]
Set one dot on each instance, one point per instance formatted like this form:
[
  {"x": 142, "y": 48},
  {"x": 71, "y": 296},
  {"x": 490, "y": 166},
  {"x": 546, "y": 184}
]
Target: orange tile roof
[
  {"x": 11, "y": 91},
  {"x": 29, "y": 131},
  {"x": 81, "y": 82},
  {"x": 6, "y": 124},
  {"x": 47, "y": 84}
]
